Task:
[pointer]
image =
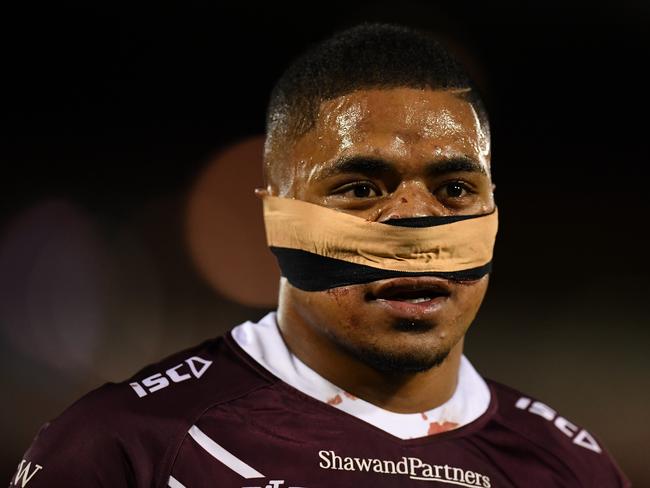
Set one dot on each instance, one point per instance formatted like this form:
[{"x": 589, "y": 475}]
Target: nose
[{"x": 410, "y": 199}]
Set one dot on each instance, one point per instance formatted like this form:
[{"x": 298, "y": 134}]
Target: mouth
[{"x": 411, "y": 296}]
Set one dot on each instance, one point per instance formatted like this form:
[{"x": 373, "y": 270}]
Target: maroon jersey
[{"x": 213, "y": 417}]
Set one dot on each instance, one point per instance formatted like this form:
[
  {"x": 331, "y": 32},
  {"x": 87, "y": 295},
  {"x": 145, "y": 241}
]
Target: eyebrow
[
  {"x": 376, "y": 166},
  {"x": 358, "y": 164},
  {"x": 455, "y": 164}
]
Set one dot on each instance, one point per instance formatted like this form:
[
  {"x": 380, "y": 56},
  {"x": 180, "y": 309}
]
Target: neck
[{"x": 402, "y": 393}]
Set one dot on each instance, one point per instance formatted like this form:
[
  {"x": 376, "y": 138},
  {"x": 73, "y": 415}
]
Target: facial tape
[{"x": 320, "y": 248}]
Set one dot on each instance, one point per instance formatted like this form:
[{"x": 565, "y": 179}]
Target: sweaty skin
[{"x": 382, "y": 154}]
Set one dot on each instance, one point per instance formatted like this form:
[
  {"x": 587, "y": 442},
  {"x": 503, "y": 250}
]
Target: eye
[
  {"x": 359, "y": 190},
  {"x": 363, "y": 191},
  {"x": 456, "y": 193},
  {"x": 455, "y": 189}
]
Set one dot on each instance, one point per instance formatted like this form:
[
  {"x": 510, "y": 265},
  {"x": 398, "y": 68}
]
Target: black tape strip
[
  {"x": 312, "y": 272},
  {"x": 430, "y": 221}
]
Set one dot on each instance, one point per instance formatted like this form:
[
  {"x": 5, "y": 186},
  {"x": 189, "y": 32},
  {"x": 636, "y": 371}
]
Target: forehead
[{"x": 396, "y": 122}]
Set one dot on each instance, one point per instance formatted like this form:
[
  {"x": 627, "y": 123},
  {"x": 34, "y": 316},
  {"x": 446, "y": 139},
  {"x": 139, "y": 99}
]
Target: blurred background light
[
  {"x": 225, "y": 227},
  {"x": 53, "y": 286}
]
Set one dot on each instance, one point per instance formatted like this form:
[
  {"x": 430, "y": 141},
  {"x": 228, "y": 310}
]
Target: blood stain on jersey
[
  {"x": 438, "y": 427},
  {"x": 335, "y": 400}
]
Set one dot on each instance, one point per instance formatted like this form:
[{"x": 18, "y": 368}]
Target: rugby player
[{"x": 379, "y": 207}]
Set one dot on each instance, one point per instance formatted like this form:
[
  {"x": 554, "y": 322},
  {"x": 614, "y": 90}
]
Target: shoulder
[
  {"x": 116, "y": 434},
  {"x": 549, "y": 434}
]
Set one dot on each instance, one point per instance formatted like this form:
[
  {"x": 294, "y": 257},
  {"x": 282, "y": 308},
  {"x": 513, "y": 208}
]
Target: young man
[{"x": 379, "y": 206}]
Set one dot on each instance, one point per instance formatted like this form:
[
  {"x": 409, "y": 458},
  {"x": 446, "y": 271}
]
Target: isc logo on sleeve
[
  {"x": 580, "y": 436},
  {"x": 193, "y": 367}
]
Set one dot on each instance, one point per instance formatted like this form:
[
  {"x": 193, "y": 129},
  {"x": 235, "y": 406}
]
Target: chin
[
  {"x": 390, "y": 337},
  {"x": 397, "y": 345},
  {"x": 405, "y": 358}
]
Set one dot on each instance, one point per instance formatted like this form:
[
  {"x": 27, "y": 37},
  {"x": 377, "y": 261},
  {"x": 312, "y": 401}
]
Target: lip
[{"x": 386, "y": 292}]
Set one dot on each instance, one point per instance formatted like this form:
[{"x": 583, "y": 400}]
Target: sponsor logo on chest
[{"x": 413, "y": 467}]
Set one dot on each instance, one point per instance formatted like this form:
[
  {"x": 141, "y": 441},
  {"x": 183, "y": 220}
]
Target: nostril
[{"x": 403, "y": 200}]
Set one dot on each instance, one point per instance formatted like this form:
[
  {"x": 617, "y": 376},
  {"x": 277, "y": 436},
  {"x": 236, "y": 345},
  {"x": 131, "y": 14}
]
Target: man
[{"x": 379, "y": 207}]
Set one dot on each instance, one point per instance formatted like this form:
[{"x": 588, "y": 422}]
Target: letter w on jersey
[{"x": 25, "y": 473}]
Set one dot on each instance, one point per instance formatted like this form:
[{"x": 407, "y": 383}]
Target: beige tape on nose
[{"x": 448, "y": 247}]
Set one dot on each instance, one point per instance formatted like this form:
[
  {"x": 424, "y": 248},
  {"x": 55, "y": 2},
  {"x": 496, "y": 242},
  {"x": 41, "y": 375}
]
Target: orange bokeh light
[{"x": 225, "y": 227}]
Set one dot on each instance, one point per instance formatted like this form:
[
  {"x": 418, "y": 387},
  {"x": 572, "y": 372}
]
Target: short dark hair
[{"x": 363, "y": 57}]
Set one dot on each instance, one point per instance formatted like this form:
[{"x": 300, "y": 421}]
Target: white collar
[{"x": 264, "y": 343}]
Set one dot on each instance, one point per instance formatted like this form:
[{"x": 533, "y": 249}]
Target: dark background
[{"x": 112, "y": 116}]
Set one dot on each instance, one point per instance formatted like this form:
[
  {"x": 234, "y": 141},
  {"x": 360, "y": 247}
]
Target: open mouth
[
  {"x": 412, "y": 296},
  {"x": 414, "y": 291}
]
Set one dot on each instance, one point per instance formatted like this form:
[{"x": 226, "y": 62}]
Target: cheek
[
  {"x": 334, "y": 308},
  {"x": 340, "y": 295},
  {"x": 470, "y": 295},
  {"x": 343, "y": 303}
]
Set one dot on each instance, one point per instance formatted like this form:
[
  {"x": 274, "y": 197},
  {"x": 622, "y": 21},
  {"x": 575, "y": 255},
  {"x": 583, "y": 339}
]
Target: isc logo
[
  {"x": 191, "y": 367},
  {"x": 580, "y": 437}
]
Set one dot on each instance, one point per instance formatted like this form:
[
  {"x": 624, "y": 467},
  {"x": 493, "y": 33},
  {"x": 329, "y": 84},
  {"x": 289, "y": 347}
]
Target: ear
[{"x": 263, "y": 192}]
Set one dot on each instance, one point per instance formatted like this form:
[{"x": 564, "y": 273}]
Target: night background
[{"x": 131, "y": 142}]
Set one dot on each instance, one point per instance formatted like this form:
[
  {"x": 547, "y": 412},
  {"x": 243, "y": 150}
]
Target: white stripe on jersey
[
  {"x": 220, "y": 454},
  {"x": 174, "y": 483}
]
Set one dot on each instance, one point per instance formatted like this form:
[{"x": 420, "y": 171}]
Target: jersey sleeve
[
  {"x": 129, "y": 433},
  {"x": 560, "y": 442},
  {"x": 611, "y": 474},
  {"x": 76, "y": 450}
]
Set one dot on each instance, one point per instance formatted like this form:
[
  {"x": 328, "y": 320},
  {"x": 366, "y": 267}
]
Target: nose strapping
[{"x": 320, "y": 248}]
